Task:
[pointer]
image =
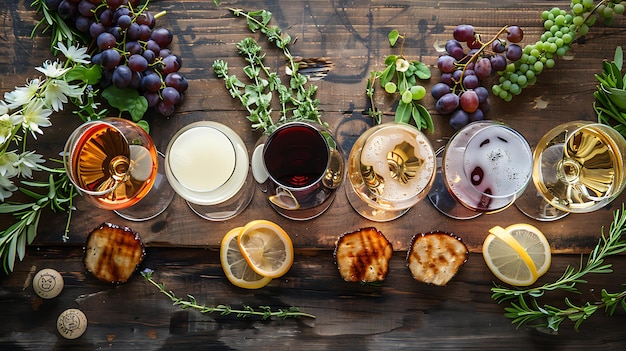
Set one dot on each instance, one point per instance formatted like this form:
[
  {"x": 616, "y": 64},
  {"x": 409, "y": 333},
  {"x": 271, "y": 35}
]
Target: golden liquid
[
  {"x": 585, "y": 173},
  {"x": 105, "y": 163},
  {"x": 391, "y": 169}
]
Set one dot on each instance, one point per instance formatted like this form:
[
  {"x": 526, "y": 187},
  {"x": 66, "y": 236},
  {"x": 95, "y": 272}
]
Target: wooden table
[{"x": 350, "y": 36}]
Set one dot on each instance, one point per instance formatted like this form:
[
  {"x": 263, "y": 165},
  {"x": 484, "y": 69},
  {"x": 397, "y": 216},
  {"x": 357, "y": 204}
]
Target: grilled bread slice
[
  {"x": 113, "y": 253},
  {"x": 363, "y": 255},
  {"x": 435, "y": 258}
]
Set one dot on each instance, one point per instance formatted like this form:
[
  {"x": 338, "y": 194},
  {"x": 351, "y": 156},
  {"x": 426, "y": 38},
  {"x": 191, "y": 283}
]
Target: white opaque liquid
[
  {"x": 499, "y": 162},
  {"x": 202, "y": 159},
  {"x": 486, "y": 165}
]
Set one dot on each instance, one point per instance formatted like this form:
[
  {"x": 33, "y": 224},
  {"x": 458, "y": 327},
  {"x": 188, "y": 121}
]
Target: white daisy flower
[
  {"x": 35, "y": 116},
  {"x": 56, "y": 92},
  {"x": 7, "y": 123},
  {"x": 52, "y": 69},
  {"x": 7, "y": 164},
  {"x": 4, "y": 109},
  {"x": 28, "y": 162},
  {"x": 22, "y": 95},
  {"x": 6, "y": 188},
  {"x": 74, "y": 53}
]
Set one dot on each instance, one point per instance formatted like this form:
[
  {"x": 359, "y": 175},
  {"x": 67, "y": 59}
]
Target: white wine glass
[
  {"x": 390, "y": 169},
  {"x": 115, "y": 165},
  {"x": 483, "y": 168},
  {"x": 578, "y": 168}
]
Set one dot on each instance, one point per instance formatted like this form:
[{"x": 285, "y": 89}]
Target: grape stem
[{"x": 477, "y": 54}]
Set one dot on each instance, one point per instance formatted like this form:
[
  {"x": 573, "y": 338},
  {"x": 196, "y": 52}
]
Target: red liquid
[{"x": 296, "y": 156}]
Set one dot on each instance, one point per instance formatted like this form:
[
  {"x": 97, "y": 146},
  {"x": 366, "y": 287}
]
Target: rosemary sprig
[
  {"x": 265, "y": 312},
  {"x": 528, "y": 310},
  {"x": 58, "y": 193},
  {"x": 297, "y": 101},
  {"x": 52, "y": 21},
  {"x": 551, "y": 317}
]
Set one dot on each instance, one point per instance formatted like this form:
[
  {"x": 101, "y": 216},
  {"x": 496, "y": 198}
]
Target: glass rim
[
  {"x": 225, "y": 191},
  {"x": 71, "y": 141},
  {"x": 524, "y": 143},
  {"x": 611, "y": 133},
  {"x": 374, "y": 130},
  {"x": 187, "y": 129},
  {"x": 319, "y": 133}
]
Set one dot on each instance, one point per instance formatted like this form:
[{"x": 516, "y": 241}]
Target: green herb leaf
[
  {"x": 403, "y": 112},
  {"x": 393, "y": 37},
  {"x": 91, "y": 75},
  {"x": 422, "y": 71},
  {"x": 391, "y": 60},
  {"x": 618, "y": 58},
  {"x": 126, "y": 100},
  {"x": 387, "y": 75}
]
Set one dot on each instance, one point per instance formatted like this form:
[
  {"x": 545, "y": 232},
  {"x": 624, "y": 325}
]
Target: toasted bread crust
[
  {"x": 363, "y": 255},
  {"x": 113, "y": 253},
  {"x": 435, "y": 258}
]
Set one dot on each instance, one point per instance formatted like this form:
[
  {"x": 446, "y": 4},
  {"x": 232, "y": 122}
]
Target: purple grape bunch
[
  {"x": 130, "y": 48},
  {"x": 465, "y": 67}
]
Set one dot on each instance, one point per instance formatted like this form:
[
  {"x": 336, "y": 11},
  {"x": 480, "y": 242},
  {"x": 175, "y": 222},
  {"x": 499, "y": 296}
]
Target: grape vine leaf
[
  {"x": 91, "y": 75},
  {"x": 393, "y": 37},
  {"x": 126, "y": 100}
]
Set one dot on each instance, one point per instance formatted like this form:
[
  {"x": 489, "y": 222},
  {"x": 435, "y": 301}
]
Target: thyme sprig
[
  {"x": 297, "y": 101},
  {"x": 528, "y": 309},
  {"x": 264, "y": 312}
]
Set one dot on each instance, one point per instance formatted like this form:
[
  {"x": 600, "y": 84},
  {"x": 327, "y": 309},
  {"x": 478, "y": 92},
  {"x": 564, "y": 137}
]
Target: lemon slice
[
  {"x": 235, "y": 266},
  {"x": 518, "y": 254},
  {"x": 284, "y": 199},
  {"x": 266, "y": 247}
]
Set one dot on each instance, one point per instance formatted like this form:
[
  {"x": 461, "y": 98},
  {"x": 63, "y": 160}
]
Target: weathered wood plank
[{"x": 400, "y": 314}]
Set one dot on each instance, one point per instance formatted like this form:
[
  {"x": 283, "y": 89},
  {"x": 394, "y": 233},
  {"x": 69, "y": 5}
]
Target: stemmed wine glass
[
  {"x": 390, "y": 168},
  {"x": 578, "y": 167},
  {"x": 484, "y": 167},
  {"x": 114, "y": 163},
  {"x": 298, "y": 167}
]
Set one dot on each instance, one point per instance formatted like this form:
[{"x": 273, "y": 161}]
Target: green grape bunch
[{"x": 562, "y": 27}]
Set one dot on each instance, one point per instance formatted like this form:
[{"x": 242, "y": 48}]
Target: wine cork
[
  {"x": 48, "y": 283},
  {"x": 72, "y": 323}
]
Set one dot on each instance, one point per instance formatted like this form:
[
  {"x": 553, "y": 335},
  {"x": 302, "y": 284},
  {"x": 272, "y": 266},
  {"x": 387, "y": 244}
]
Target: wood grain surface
[{"x": 349, "y": 39}]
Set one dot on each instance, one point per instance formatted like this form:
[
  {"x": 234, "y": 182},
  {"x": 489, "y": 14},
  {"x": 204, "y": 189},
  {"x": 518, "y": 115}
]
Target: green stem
[{"x": 265, "y": 312}]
